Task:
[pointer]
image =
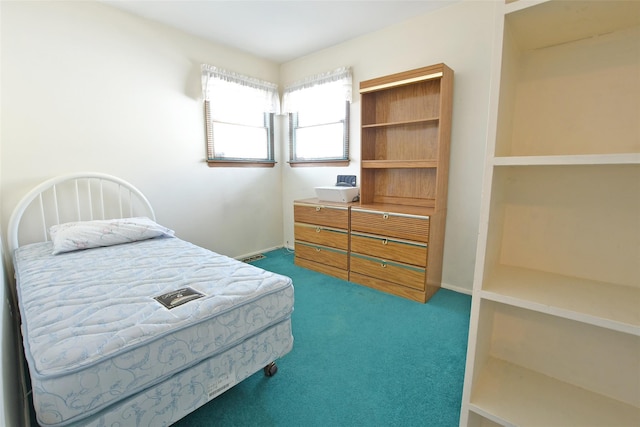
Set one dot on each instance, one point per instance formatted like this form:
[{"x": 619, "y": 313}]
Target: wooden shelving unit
[
  {"x": 406, "y": 125},
  {"x": 555, "y": 321}
]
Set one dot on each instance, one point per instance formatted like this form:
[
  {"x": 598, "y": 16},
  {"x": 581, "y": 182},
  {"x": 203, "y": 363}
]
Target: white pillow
[{"x": 73, "y": 236}]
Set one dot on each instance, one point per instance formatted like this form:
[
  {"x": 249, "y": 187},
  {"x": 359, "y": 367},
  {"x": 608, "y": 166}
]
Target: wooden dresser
[
  {"x": 389, "y": 251},
  {"x": 381, "y": 249},
  {"x": 393, "y": 238},
  {"x": 322, "y": 236}
]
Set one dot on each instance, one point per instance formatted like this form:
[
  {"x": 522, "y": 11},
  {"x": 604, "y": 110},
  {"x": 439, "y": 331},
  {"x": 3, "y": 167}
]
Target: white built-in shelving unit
[{"x": 555, "y": 320}]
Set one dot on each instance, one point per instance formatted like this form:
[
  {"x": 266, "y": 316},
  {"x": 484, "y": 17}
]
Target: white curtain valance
[
  {"x": 214, "y": 78},
  {"x": 336, "y": 84}
]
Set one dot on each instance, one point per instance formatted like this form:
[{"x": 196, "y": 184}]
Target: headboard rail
[{"x": 75, "y": 197}]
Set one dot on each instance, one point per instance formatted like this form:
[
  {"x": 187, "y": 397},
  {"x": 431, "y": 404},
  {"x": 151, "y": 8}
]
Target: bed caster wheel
[{"x": 271, "y": 369}]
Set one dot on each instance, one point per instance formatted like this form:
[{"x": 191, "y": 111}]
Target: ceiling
[{"x": 279, "y": 31}]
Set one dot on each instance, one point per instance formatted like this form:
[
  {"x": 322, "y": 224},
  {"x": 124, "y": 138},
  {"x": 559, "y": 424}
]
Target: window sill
[
  {"x": 240, "y": 164},
  {"x": 319, "y": 163}
]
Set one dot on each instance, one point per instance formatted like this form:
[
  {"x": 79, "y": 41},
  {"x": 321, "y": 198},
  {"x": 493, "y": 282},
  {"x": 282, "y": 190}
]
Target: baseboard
[
  {"x": 241, "y": 257},
  {"x": 455, "y": 288}
]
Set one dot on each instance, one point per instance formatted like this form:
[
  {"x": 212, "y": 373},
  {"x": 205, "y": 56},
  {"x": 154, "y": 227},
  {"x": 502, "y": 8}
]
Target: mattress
[
  {"x": 165, "y": 403},
  {"x": 96, "y": 329}
]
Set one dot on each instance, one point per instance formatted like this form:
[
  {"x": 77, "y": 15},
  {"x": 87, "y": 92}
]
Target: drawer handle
[
  {"x": 385, "y": 241},
  {"x": 318, "y": 229},
  {"x": 318, "y": 208},
  {"x": 383, "y": 265},
  {"x": 385, "y": 216},
  {"x": 317, "y": 249}
]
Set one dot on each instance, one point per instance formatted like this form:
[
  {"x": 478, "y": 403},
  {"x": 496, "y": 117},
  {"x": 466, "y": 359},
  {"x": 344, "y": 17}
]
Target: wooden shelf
[
  {"x": 399, "y": 123},
  {"x": 405, "y": 137},
  {"x": 406, "y": 124},
  {"x": 399, "y": 164},
  {"x": 511, "y": 395},
  {"x": 402, "y": 209}
]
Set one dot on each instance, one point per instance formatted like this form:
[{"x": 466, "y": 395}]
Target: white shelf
[
  {"x": 483, "y": 419},
  {"x": 569, "y": 81},
  {"x": 511, "y": 395},
  {"x": 586, "y": 159},
  {"x": 597, "y": 303},
  {"x": 540, "y": 24},
  {"x": 554, "y": 337},
  {"x": 516, "y": 5},
  {"x": 575, "y": 221}
]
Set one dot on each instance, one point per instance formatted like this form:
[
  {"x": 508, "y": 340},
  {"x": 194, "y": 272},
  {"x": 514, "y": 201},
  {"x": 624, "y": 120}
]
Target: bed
[{"x": 122, "y": 322}]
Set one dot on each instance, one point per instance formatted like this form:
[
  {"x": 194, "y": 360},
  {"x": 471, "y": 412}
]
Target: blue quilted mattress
[{"x": 100, "y": 325}]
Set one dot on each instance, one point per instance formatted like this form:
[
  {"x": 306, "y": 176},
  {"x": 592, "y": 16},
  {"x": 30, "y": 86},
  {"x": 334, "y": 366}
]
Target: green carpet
[{"x": 360, "y": 358}]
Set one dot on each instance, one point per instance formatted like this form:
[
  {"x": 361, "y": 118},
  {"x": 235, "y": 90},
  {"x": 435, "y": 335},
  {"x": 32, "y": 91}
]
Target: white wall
[
  {"x": 460, "y": 36},
  {"x": 88, "y": 87},
  {"x": 9, "y": 398}
]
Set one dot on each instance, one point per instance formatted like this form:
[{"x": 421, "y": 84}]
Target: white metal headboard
[{"x": 74, "y": 197}]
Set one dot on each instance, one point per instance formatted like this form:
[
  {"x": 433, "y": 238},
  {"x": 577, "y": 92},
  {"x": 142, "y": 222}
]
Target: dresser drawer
[
  {"x": 329, "y": 216},
  {"x": 322, "y": 255},
  {"x": 390, "y": 249},
  {"x": 323, "y": 236},
  {"x": 322, "y": 268},
  {"x": 402, "y": 274},
  {"x": 388, "y": 224}
]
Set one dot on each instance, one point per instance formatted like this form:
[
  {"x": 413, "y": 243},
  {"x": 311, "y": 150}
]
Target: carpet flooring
[{"x": 360, "y": 358}]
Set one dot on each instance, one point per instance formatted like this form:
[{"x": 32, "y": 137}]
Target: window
[
  {"x": 318, "y": 109},
  {"x": 239, "y": 114}
]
